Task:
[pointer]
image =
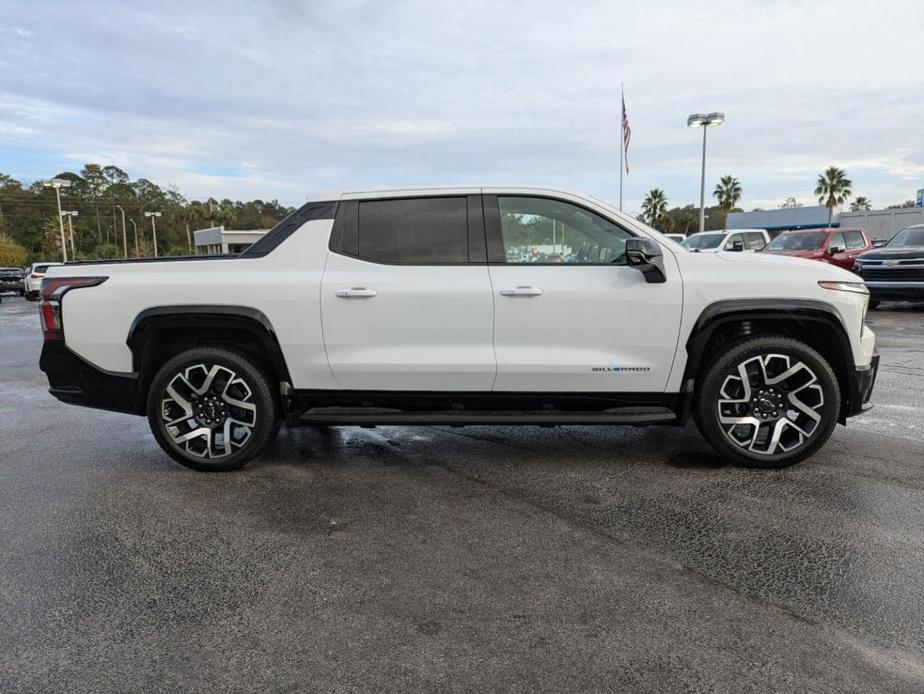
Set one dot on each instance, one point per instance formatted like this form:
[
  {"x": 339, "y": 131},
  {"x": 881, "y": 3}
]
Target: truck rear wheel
[
  {"x": 768, "y": 402},
  {"x": 212, "y": 409}
]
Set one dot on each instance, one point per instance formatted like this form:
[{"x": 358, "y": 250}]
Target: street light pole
[
  {"x": 153, "y": 216},
  {"x": 124, "y": 233},
  {"x": 58, "y": 184},
  {"x": 702, "y": 186},
  {"x": 704, "y": 120}
]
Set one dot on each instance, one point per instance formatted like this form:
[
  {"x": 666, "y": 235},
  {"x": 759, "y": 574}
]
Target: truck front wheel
[
  {"x": 212, "y": 409},
  {"x": 768, "y": 402}
]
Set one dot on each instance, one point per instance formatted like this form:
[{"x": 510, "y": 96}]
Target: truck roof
[{"x": 360, "y": 193}]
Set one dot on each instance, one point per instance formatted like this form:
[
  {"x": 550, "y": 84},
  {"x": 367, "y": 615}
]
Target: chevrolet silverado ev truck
[{"x": 459, "y": 306}]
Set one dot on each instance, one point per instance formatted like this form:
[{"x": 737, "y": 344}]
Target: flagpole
[{"x": 622, "y": 120}]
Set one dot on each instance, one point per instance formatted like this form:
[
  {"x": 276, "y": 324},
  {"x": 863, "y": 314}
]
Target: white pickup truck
[{"x": 462, "y": 306}]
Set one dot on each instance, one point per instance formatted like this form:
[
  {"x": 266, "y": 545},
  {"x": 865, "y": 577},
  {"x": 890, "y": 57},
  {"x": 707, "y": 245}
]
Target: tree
[
  {"x": 30, "y": 213},
  {"x": 11, "y": 253},
  {"x": 728, "y": 193},
  {"x": 654, "y": 208},
  {"x": 833, "y": 189},
  {"x": 860, "y": 203},
  {"x": 790, "y": 203}
]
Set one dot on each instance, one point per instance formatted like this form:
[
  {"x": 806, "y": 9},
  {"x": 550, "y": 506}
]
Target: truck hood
[
  {"x": 772, "y": 261},
  {"x": 900, "y": 253}
]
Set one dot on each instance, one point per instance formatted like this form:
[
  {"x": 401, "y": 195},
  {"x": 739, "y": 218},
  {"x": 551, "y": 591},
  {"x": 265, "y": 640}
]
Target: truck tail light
[{"x": 53, "y": 289}]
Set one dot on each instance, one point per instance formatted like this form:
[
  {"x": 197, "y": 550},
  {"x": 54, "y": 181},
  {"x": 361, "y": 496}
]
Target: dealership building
[
  {"x": 783, "y": 219},
  {"x": 221, "y": 241},
  {"x": 880, "y": 224}
]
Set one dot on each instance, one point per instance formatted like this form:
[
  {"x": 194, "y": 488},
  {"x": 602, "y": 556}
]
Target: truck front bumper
[
  {"x": 895, "y": 290},
  {"x": 860, "y": 387}
]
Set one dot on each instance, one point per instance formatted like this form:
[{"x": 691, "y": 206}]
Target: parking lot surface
[{"x": 477, "y": 559}]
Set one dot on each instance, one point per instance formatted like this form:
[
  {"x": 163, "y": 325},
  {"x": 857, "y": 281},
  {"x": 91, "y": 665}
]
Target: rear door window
[
  {"x": 426, "y": 231},
  {"x": 754, "y": 241},
  {"x": 730, "y": 241},
  {"x": 854, "y": 240}
]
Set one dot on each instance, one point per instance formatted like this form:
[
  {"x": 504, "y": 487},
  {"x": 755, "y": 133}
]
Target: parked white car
[
  {"x": 727, "y": 240},
  {"x": 437, "y": 306},
  {"x": 32, "y": 282},
  {"x": 679, "y": 238}
]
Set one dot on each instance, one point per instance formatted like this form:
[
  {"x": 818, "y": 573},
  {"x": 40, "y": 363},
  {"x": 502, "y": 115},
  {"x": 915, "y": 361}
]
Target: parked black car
[
  {"x": 895, "y": 271},
  {"x": 11, "y": 280}
]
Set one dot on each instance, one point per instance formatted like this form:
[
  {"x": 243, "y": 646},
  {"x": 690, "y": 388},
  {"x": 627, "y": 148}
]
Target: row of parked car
[
  {"x": 893, "y": 270},
  {"x": 24, "y": 281}
]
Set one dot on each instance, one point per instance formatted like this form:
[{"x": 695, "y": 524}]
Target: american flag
[{"x": 626, "y": 133}]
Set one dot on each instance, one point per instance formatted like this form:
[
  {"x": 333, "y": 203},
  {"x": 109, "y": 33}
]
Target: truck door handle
[
  {"x": 521, "y": 291},
  {"x": 356, "y": 293}
]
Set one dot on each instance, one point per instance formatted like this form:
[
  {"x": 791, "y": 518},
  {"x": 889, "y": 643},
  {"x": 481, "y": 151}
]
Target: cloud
[{"x": 287, "y": 97}]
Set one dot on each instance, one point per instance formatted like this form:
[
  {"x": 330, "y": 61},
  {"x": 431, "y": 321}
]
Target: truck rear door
[{"x": 406, "y": 297}]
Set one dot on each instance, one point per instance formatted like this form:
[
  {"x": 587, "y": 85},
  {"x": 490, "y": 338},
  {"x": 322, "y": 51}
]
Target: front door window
[{"x": 551, "y": 232}]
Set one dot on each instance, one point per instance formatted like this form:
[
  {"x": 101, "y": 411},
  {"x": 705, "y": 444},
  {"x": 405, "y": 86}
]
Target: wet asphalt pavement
[{"x": 482, "y": 559}]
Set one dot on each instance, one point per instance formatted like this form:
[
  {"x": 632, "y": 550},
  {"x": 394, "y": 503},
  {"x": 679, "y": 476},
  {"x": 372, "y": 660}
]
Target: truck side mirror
[
  {"x": 645, "y": 256},
  {"x": 834, "y": 250},
  {"x": 737, "y": 246}
]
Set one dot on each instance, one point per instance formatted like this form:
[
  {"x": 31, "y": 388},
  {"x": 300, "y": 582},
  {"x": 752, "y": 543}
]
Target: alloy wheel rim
[
  {"x": 770, "y": 404},
  {"x": 208, "y": 411}
]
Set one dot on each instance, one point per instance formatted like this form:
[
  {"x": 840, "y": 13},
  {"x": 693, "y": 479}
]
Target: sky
[{"x": 279, "y": 98}]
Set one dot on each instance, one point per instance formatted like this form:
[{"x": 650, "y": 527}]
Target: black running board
[{"x": 380, "y": 416}]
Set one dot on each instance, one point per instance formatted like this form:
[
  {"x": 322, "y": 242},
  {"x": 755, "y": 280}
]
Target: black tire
[
  {"x": 811, "y": 387},
  {"x": 232, "y": 384}
]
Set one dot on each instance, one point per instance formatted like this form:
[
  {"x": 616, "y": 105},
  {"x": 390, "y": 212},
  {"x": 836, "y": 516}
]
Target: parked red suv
[{"x": 836, "y": 246}]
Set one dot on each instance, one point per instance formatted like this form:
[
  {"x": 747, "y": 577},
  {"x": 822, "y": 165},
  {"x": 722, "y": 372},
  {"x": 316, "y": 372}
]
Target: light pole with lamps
[
  {"x": 704, "y": 120},
  {"x": 70, "y": 214},
  {"x": 153, "y": 216},
  {"x": 124, "y": 232},
  {"x": 58, "y": 184}
]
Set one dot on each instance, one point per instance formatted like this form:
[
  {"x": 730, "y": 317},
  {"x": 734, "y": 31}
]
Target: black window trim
[
  {"x": 344, "y": 238},
  {"x": 495, "y": 239},
  {"x": 325, "y": 209}
]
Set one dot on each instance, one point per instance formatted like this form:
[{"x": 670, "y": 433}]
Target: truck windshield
[
  {"x": 797, "y": 242},
  {"x": 913, "y": 236},
  {"x": 703, "y": 241}
]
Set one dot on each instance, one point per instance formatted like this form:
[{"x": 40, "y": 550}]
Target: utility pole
[
  {"x": 153, "y": 216},
  {"x": 124, "y": 233},
  {"x": 135, "y": 227},
  {"x": 70, "y": 214}
]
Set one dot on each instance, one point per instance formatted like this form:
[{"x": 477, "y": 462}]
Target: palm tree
[
  {"x": 728, "y": 193},
  {"x": 833, "y": 189},
  {"x": 654, "y": 207},
  {"x": 860, "y": 203}
]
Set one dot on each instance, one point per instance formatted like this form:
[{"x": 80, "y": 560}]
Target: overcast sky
[{"x": 278, "y": 98}]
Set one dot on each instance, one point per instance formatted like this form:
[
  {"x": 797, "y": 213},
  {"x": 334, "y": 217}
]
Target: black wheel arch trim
[
  {"x": 246, "y": 318},
  {"x": 803, "y": 312}
]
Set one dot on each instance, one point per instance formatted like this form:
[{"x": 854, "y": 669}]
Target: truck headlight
[{"x": 855, "y": 287}]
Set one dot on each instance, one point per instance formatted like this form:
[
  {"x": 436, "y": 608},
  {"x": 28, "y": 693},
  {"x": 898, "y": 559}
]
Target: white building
[
  {"x": 219, "y": 241},
  {"x": 883, "y": 224}
]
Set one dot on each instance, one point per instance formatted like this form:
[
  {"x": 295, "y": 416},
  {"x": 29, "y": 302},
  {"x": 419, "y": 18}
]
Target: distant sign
[{"x": 919, "y": 201}]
